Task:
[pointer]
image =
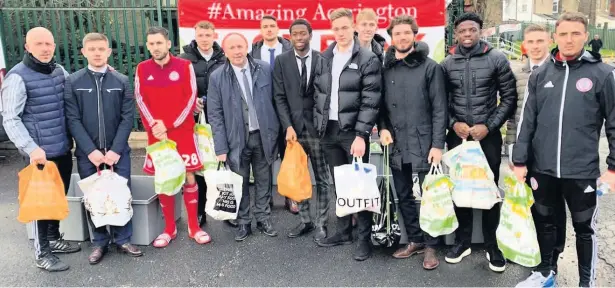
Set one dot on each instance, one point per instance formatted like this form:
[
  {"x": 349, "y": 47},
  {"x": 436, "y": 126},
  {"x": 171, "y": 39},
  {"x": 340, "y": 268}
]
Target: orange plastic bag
[
  {"x": 41, "y": 194},
  {"x": 294, "y": 178}
]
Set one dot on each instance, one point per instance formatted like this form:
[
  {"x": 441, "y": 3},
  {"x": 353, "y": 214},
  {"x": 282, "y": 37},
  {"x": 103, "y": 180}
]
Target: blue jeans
[{"x": 121, "y": 234}]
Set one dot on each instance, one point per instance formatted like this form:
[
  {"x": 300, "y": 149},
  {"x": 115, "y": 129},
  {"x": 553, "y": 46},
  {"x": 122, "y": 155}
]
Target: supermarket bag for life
[
  {"x": 205, "y": 142},
  {"x": 473, "y": 179},
  {"x": 224, "y": 191},
  {"x": 41, "y": 193},
  {"x": 516, "y": 233},
  {"x": 356, "y": 188},
  {"x": 437, "y": 215},
  {"x": 294, "y": 180},
  {"x": 385, "y": 228},
  {"x": 107, "y": 197},
  {"x": 170, "y": 172}
]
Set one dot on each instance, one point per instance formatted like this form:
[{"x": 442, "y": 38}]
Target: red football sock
[
  {"x": 191, "y": 200},
  {"x": 168, "y": 210}
]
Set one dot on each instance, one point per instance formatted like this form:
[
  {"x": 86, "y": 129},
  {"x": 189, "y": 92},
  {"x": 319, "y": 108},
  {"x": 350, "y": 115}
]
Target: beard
[
  {"x": 406, "y": 50},
  {"x": 164, "y": 55}
]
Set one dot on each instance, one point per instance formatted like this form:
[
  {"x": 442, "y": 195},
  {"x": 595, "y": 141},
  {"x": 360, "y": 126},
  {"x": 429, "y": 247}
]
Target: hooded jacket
[
  {"x": 562, "y": 117},
  {"x": 202, "y": 67},
  {"x": 413, "y": 111},
  {"x": 473, "y": 82},
  {"x": 378, "y": 43},
  {"x": 359, "y": 91}
]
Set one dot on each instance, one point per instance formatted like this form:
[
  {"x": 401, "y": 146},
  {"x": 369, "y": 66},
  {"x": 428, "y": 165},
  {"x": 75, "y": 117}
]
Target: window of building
[
  {"x": 524, "y": 8},
  {"x": 555, "y": 6}
]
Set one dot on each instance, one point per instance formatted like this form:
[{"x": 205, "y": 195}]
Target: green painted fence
[{"x": 123, "y": 21}]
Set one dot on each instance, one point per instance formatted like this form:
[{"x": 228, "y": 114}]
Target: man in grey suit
[{"x": 245, "y": 128}]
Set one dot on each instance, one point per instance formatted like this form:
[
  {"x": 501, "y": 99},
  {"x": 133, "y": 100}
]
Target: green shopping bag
[
  {"x": 437, "y": 215},
  {"x": 170, "y": 169},
  {"x": 516, "y": 233},
  {"x": 205, "y": 141}
]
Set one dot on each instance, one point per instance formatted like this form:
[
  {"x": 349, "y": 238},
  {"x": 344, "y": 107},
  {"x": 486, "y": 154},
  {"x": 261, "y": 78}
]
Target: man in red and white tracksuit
[{"x": 165, "y": 90}]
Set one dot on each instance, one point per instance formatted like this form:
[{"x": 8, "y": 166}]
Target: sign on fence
[
  {"x": 244, "y": 16},
  {"x": 510, "y": 27}
]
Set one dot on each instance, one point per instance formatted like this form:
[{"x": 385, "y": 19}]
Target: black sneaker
[
  {"x": 497, "y": 262},
  {"x": 51, "y": 263},
  {"x": 63, "y": 246},
  {"x": 457, "y": 253},
  {"x": 336, "y": 239},
  {"x": 363, "y": 252}
]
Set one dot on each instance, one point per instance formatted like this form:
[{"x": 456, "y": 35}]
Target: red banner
[{"x": 246, "y": 14}]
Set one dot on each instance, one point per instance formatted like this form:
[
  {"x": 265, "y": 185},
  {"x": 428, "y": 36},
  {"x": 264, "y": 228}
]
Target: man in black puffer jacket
[
  {"x": 206, "y": 56},
  {"x": 347, "y": 83},
  {"x": 474, "y": 74}
]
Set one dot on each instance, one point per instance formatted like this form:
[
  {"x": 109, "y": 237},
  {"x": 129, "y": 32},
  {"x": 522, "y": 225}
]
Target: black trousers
[
  {"x": 409, "y": 208},
  {"x": 492, "y": 147},
  {"x": 336, "y": 145},
  {"x": 580, "y": 194},
  {"x": 200, "y": 182},
  {"x": 49, "y": 230},
  {"x": 254, "y": 155}
]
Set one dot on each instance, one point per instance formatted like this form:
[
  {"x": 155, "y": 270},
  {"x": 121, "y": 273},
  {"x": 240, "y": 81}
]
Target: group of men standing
[{"x": 329, "y": 102}]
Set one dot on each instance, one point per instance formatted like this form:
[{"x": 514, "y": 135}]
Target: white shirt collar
[
  {"x": 278, "y": 44},
  {"x": 238, "y": 69},
  {"x": 335, "y": 50},
  {"x": 309, "y": 53},
  {"x": 539, "y": 63},
  {"x": 100, "y": 70},
  {"x": 204, "y": 54}
]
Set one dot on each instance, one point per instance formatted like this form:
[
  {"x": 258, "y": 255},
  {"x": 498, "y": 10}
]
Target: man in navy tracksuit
[
  {"x": 100, "y": 108},
  {"x": 568, "y": 99}
]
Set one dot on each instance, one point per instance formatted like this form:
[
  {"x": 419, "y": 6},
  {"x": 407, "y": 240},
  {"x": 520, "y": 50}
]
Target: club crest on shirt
[
  {"x": 584, "y": 84},
  {"x": 174, "y": 76}
]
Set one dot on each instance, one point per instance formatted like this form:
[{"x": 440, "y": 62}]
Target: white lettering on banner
[
  {"x": 216, "y": 11},
  {"x": 359, "y": 202}
]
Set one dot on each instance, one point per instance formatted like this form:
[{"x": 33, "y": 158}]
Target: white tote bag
[
  {"x": 224, "y": 191},
  {"x": 356, "y": 188},
  {"x": 107, "y": 197}
]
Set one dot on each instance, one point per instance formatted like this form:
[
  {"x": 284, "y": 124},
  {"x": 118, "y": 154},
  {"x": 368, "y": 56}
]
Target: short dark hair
[
  {"x": 572, "y": 17},
  {"x": 470, "y": 16},
  {"x": 403, "y": 19},
  {"x": 158, "y": 30},
  {"x": 269, "y": 17},
  {"x": 300, "y": 21}
]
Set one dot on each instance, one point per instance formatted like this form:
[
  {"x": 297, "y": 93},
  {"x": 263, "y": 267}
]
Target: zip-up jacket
[
  {"x": 473, "y": 83},
  {"x": 377, "y": 45},
  {"x": 562, "y": 117},
  {"x": 360, "y": 91},
  {"x": 99, "y": 110}
]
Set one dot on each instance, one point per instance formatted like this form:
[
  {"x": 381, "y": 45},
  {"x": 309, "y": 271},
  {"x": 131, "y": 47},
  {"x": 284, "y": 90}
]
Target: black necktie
[
  {"x": 534, "y": 67},
  {"x": 303, "y": 74}
]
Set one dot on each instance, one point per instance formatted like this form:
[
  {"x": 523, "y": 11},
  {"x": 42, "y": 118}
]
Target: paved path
[{"x": 259, "y": 261}]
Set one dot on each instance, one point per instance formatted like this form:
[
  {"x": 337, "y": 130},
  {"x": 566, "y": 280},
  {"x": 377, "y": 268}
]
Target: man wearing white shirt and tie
[{"x": 267, "y": 49}]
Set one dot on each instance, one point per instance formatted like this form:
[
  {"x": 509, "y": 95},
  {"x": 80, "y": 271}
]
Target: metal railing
[{"x": 124, "y": 22}]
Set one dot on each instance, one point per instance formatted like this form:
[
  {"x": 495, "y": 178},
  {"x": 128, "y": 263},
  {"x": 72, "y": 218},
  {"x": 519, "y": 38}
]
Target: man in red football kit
[{"x": 165, "y": 90}]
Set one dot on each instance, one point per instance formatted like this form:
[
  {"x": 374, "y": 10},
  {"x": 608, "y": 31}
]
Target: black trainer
[
  {"x": 63, "y": 246},
  {"x": 457, "y": 253},
  {"x": 497, "y": 262},
  {"x": 51, "y": 263},
  {"x": 336, "y": 239}
]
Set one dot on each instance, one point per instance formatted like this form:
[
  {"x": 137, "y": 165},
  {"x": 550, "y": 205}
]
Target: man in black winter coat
[
  {"x": 413, "y": 122},
  {"x": 475, "y": 74},
  {"x": 347, "y": 84},
  {"x": 100, "y": 108},
  {"x": 568, "y": 99},
  {"x": 206, "y": 56}
]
